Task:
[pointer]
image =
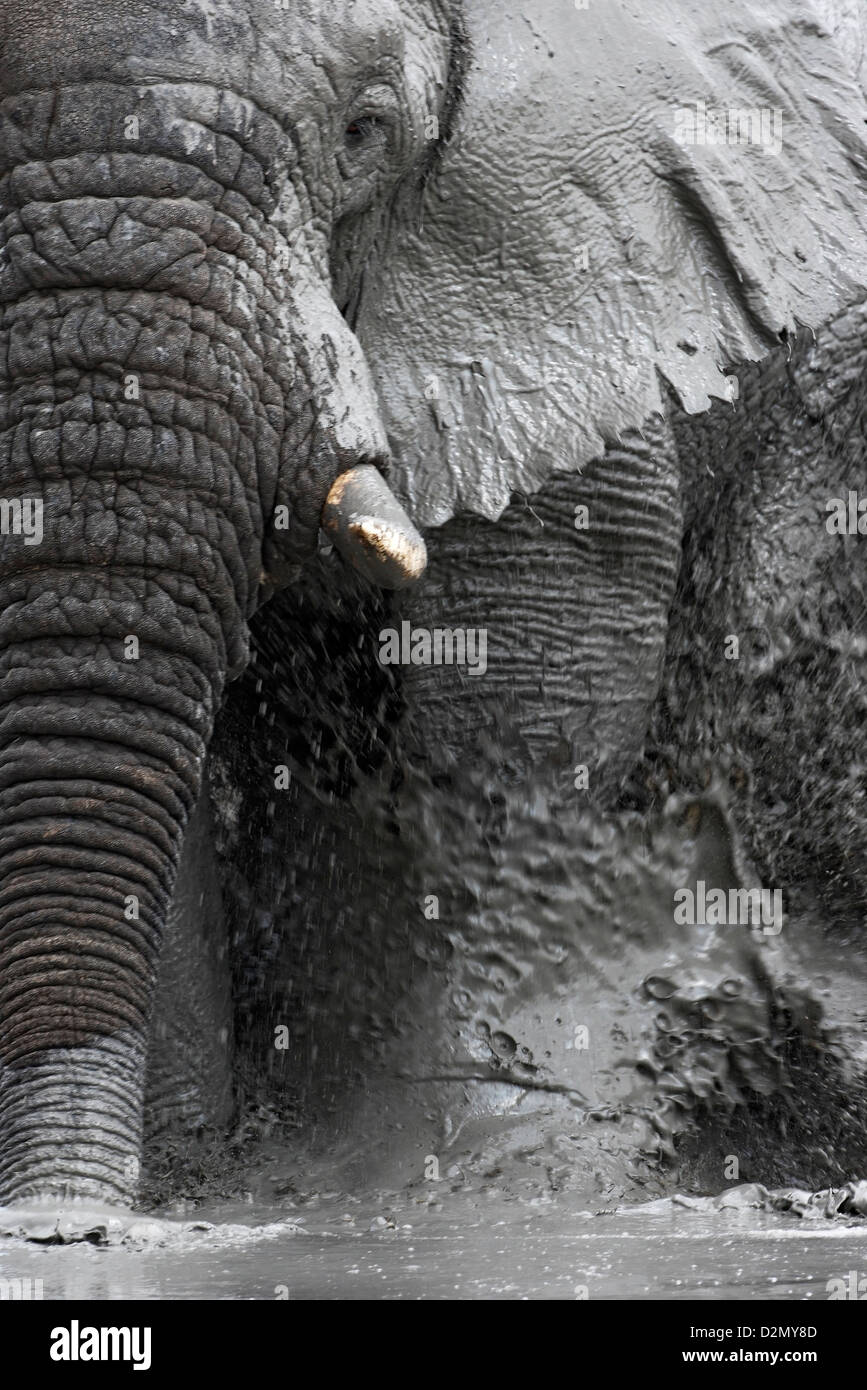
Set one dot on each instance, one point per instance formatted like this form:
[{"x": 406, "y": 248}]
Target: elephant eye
[
  {"x": 361, "y": 132},
  {"x": 368, "y": 147}
]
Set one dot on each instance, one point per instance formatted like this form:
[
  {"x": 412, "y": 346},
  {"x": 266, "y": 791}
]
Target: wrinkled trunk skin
[
  {"x": 103, "y": 742},
  {"x": 149, "y": 418}
]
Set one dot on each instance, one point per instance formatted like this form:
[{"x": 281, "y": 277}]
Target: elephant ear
[{"x": 573, "y": 247}]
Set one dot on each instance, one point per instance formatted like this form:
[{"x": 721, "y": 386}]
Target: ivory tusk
[{"x": 371, "y": 529}]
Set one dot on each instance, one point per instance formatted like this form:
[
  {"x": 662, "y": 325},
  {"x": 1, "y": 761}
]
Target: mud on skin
[{"x": 246, "y": 250}]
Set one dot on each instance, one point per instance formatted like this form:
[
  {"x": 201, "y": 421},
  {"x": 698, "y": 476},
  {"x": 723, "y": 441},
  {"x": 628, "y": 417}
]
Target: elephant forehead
[{"x": 286, "y": 58}]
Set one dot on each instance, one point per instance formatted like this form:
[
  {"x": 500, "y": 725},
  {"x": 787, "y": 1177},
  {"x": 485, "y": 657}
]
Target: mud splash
[{"x": 473, "y": 975}]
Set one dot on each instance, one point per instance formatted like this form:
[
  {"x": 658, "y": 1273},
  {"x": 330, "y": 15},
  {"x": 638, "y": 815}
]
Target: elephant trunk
[
  {"x": 121, "y": 615},
  {"x": 141, "y": 431},
  {"x": 100, "y": 765}
]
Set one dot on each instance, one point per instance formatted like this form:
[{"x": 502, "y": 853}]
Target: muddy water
[{"x": 464, "y": 1251}]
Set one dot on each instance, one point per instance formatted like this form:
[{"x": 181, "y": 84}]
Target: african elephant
[{"x": 507, "y": 256}]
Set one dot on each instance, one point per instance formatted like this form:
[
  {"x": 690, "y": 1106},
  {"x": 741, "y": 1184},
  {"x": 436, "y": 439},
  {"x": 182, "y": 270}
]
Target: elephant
[{"x": 431, "y": 411}]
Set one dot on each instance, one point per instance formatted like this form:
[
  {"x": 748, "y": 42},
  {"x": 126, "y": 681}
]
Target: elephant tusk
[{"x": 371, "y": 529}]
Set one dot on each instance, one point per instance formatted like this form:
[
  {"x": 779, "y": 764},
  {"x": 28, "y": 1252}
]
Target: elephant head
[{"x": 249, "y": 248}]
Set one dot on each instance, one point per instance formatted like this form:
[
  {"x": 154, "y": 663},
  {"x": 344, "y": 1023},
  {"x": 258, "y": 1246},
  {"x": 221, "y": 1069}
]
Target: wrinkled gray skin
[{"x": 301, "y": 277}]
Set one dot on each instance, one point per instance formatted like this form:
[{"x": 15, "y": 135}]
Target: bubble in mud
[
  {"x": 658, "y": 987},
  {"x": 668, "y": 1046}
]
